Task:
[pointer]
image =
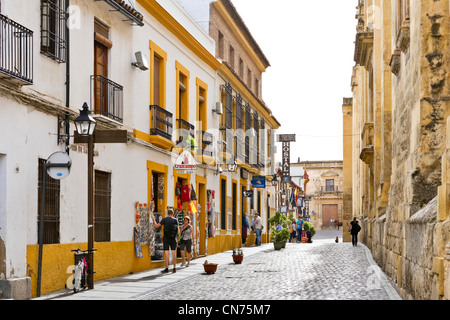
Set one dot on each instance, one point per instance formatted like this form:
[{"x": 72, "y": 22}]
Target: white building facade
[{"x": 44, "y": 82}]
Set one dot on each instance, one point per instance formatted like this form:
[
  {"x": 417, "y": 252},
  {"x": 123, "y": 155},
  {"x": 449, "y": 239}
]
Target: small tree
[
  {"x": 308, "y": 226},
  {"x": 279, "y": 219}
]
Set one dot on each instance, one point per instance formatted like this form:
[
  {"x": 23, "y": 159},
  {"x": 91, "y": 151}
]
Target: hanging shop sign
[
  {"x": 286, "y": 140},
  {"x": 258, "y": 182},
  {"x": 185, "y": 163},
  {"x": 248, "y": 193}
]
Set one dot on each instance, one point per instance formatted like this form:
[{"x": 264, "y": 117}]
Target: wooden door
[
  {"x": 329, "y": 212},
  {"x": 101, "y": 75}
]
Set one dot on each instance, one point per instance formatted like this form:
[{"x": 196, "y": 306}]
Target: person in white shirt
[{"x": 258, "y": 228}]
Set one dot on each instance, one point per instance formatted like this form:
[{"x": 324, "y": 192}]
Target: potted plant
[
  {"x": 309, "y": 230},
  {"x": 238, "y": 256},
  {"x": 210, "y": 268},
  {"x": 279, "y": 225}
]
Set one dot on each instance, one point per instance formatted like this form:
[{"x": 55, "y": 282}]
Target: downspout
[{"x": 67, "y": 76}]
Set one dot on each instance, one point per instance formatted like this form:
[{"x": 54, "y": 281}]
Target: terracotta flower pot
[
  {"x": 210, "y": 268},
  {"x": 238, "y": 258}
]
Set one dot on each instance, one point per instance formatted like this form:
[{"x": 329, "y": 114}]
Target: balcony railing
[
  {"x": 205, "y": 140},
  {"x": 184, "y": 129},
  {"x": 16, "y": 51},
  {"x": 161, "y": 122},
  {"x": 107, "y": 98}
]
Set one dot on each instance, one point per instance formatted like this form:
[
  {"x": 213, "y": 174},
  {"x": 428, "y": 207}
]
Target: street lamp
[
  {"x": 274, "y": 180},
  {"x": 85, "y": 126}
]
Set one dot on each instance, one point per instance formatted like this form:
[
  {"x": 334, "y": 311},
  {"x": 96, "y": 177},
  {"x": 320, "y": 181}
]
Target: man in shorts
[{"x": 171, "y": 232}]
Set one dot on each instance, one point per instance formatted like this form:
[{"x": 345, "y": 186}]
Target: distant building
[{"x": 323, "y": 192}]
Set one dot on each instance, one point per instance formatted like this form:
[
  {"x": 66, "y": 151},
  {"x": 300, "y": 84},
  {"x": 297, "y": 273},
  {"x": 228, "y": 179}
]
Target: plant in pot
[
  {"x": 309, "y": 230},
  {"x": 279, "y": 226},
  {"x": 210, "y": 268},
  {"x": 238, "y": 256}
]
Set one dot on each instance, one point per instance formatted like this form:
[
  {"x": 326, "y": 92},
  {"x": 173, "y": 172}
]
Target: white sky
[{"x": 310, "y": 46}]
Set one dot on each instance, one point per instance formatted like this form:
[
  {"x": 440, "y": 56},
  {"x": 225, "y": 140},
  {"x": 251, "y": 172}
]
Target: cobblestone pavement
[{"x": 323, "y": 270}]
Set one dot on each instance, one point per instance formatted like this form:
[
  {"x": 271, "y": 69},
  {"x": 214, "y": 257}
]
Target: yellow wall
[{"x": 111, "y": 259}]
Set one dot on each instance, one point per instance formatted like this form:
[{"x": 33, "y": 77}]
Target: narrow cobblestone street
[{"x": 323, "y": 270}]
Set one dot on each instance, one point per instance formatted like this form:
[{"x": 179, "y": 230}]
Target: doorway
[
  {"x": 201, "y": 219},
  {"x": 329, "y": 213}
]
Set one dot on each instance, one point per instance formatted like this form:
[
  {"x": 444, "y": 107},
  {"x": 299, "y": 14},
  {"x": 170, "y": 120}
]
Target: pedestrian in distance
[
  {"x": 299, "y": 229},
  {"x": 186, "y": 241},
  {"x": 171, "y": 231},
  {"x": 245, "y": 227},
  {"x": 354, "y": 229},
  {"x": 293, "y": 231},
  {"x": 258, "y": 228}
]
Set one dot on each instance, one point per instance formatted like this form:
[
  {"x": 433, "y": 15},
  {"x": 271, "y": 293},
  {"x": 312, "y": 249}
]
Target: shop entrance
[{"x": 201, "y": 224}]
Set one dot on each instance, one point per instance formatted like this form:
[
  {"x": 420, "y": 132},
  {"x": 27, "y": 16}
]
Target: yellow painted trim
[
  {"x": 157, "y": 168},
  {"x": 242, "y": 39},
  {"x": 156, "y": 50},
  {"x": 153, "y": 139},
  {"x": 160, "y": 14},
  {"x": 184, "y": 112},
  {"x": 234, "y": 181},
  {"x": 202, "y": 85},
  {"x": 222, "y": 177}
]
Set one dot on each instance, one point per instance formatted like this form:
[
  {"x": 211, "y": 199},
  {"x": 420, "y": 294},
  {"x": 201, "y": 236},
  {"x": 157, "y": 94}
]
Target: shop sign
[
  {"x": 248, "y": 193},
  {"x": 185, "y": 163},
  {"x": 258, "y": 182}
]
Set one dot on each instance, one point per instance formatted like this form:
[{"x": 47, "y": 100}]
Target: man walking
[
  {"x": 171, "y": 231},
  {"x": 258, "y": 228},
  {"x": 354, "y": 229}
]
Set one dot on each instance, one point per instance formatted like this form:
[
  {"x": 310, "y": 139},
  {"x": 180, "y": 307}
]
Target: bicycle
[{"x": 80, "y": 272}]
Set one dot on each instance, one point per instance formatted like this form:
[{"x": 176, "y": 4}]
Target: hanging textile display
[{"x": 137, "y": 243}]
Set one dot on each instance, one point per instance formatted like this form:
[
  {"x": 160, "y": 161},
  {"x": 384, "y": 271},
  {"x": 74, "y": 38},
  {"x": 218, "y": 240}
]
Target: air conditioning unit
[
  {"x": 141, "y": 61},
  {"x": 219, "y": 108}
]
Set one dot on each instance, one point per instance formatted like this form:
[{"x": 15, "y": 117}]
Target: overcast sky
[{"x": 310, "y": 46}]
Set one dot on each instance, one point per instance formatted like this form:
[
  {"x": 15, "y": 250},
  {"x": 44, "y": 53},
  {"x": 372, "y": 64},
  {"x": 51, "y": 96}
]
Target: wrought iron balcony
[
  {"x": 16, "y": 51},
  {"x": 107, "y": 98},
  {"x": 161, "y": 122},
  {"x": 205, "y": 140},
  {"x": 184, "y": 128}
]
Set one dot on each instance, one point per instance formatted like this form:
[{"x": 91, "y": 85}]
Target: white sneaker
[{"x": 183, "y": 263}]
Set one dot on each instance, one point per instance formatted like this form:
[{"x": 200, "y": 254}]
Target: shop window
[{"x": 52, "y": 206}]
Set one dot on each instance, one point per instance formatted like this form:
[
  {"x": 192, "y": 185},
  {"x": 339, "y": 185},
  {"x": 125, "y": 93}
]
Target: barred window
[
  {"x": 102, "y": 200},
  {"x": 53, "y": 29},
  {"x": 51, "y": 206}
]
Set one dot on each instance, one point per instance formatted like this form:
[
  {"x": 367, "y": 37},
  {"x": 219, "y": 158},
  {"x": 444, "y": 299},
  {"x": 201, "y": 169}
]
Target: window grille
[
  {"x": 102, "y": 200},
  {"x": 53, "y": 29},
  {"x": 52, "y": 206}
]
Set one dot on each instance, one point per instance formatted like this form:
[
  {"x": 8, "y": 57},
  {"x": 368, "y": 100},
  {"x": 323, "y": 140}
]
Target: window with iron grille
[
  {"x": 52, "y": 206},
  {"x": 329, "y": 185},
  {"x": 53, "y": 29},
  {"x": 102, "y": 200}
]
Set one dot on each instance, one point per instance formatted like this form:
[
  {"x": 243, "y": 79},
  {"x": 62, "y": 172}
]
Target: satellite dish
[{"x": 58, "y": 165}]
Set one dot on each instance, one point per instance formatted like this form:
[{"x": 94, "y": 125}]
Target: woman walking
[{"x": 186, "y": 241}]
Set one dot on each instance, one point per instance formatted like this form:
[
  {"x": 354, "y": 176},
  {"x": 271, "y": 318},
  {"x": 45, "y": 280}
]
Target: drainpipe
[{"x": 67, "y": 76}]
